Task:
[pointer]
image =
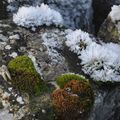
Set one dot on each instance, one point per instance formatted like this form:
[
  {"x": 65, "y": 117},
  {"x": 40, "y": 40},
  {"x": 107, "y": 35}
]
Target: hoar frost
[
  {"x": 100, "y": 61},
  {"x": 37, "y": 16},
  {"x": 77, "y": 38},
  {"x": 115, "y": 13}
]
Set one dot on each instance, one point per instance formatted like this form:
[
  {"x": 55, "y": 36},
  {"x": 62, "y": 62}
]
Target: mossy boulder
[
  {"x": 109, "y": 31},
  {"x": 74, "y": 101},
  {"x": 64, "y": 78},
  {"x": 24, "y": 75}
]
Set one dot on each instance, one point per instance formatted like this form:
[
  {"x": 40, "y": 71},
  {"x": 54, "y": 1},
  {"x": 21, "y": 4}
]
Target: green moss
[
  {"x": 63, "y": 79},
  {"x": 24, "y": 75}
]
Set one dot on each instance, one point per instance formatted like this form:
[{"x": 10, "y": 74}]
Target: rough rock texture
[
  {"x": 101, "y": 9},
  {"x": 110, "y": 29},
  {"x": 109, "y": 32},
  {"x": 18, "y": 41},
  {"x": 107, "y": 105},
  {"x": 43, "y": 47},
  {"x": 13, "y": 105},
  {"x": 76, "y": 13}
]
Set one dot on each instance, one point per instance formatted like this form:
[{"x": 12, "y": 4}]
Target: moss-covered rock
[
  {"x": 109, "y": 31},
  {"x": 24, "y": 75},
  {"x": 74, "y": 101},
  {"x": 64, "y": 78}
]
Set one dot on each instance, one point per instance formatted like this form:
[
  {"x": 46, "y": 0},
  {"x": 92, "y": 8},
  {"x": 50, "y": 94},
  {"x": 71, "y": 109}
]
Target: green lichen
[
  {"x": 24, "y": 75},
  {"x": 64, "y": 78}
]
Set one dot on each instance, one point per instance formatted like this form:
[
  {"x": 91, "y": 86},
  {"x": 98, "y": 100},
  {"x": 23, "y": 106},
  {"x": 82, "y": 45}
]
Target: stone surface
[
  {"x": 11, "y": 108},
  {"x": 107, "y": 105},
  {"x": 110, "y": 29},
  {"x": 76, "y": 13},
  {"x": 101, "y": 9},
  {"x": 44, "y": 46}
]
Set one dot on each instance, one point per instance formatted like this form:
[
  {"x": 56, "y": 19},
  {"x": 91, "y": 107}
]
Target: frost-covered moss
[
  {"x": 24, "y": 75},
  {"x": 74, "y": 101},
  {"x": 64, "y": 78}
]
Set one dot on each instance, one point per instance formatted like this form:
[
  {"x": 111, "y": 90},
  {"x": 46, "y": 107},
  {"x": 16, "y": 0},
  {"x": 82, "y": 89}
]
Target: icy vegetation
[
  {"x": 100, "y": 61},
  {"x": 37, "y": 16},
  {"x": 77, "y": 38}
]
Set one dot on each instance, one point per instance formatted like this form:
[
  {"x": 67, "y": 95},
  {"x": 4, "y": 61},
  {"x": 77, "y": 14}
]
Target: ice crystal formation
[
  {"x": 100, "y": 61},
  {"x": 37, "y": 16}
]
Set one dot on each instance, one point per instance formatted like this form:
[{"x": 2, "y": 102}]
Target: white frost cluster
[
  {"x": 100, "y": 61},
  {"x": 9, "y": 1},
  {"x": 51, "y": 42},
  {"x": 74, "y": 39},
  {"x": 115, "y": 16},
  {"x": 37, "y": 16},
  {"x": 115, "y": 13}
]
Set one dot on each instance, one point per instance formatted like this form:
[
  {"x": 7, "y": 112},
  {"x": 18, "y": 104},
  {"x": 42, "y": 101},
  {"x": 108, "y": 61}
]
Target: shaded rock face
[
  {"x": 107, "y": 105},
  {"x": 109, "y": 32},
  {"x": 101, "y": 9},
  {"x": 110, "y": 29},
  {"x": 3, "y": 13},
  {"x": 76, "y": 13}
]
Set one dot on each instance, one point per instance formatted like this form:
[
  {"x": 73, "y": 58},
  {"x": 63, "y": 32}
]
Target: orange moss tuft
[{"x": 74, "y": 101}]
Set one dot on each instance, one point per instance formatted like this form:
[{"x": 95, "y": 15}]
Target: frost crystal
[
  {"x": 78, "y": 40},
  {"x": 37, "y": 16},
  {"x": 114, "y": 14},
  {"x": 100, "y": 61}
]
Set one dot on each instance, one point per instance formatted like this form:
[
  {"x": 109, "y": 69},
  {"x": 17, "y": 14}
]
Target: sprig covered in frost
[
  {"x": 100, "y": 61},
  {"x": 78, "y": 40},
  {"x": 37, "y": 16}
]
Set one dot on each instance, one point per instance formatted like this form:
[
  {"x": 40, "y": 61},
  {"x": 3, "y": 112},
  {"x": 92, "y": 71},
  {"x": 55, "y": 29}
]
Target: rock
[
  {"x": 106, "y": 105},
  {"x": 101, "y": 9},
  {"x": 76, "y": 13},
  {"x": 45, "y": 46},
  {"x": 3, "y": 13},
  {"x": 73, "y": 12},
  {"x": 110, "y": 30},
  {"x": 41, "y": 107},
  {"x": 10, "y": 106}
]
